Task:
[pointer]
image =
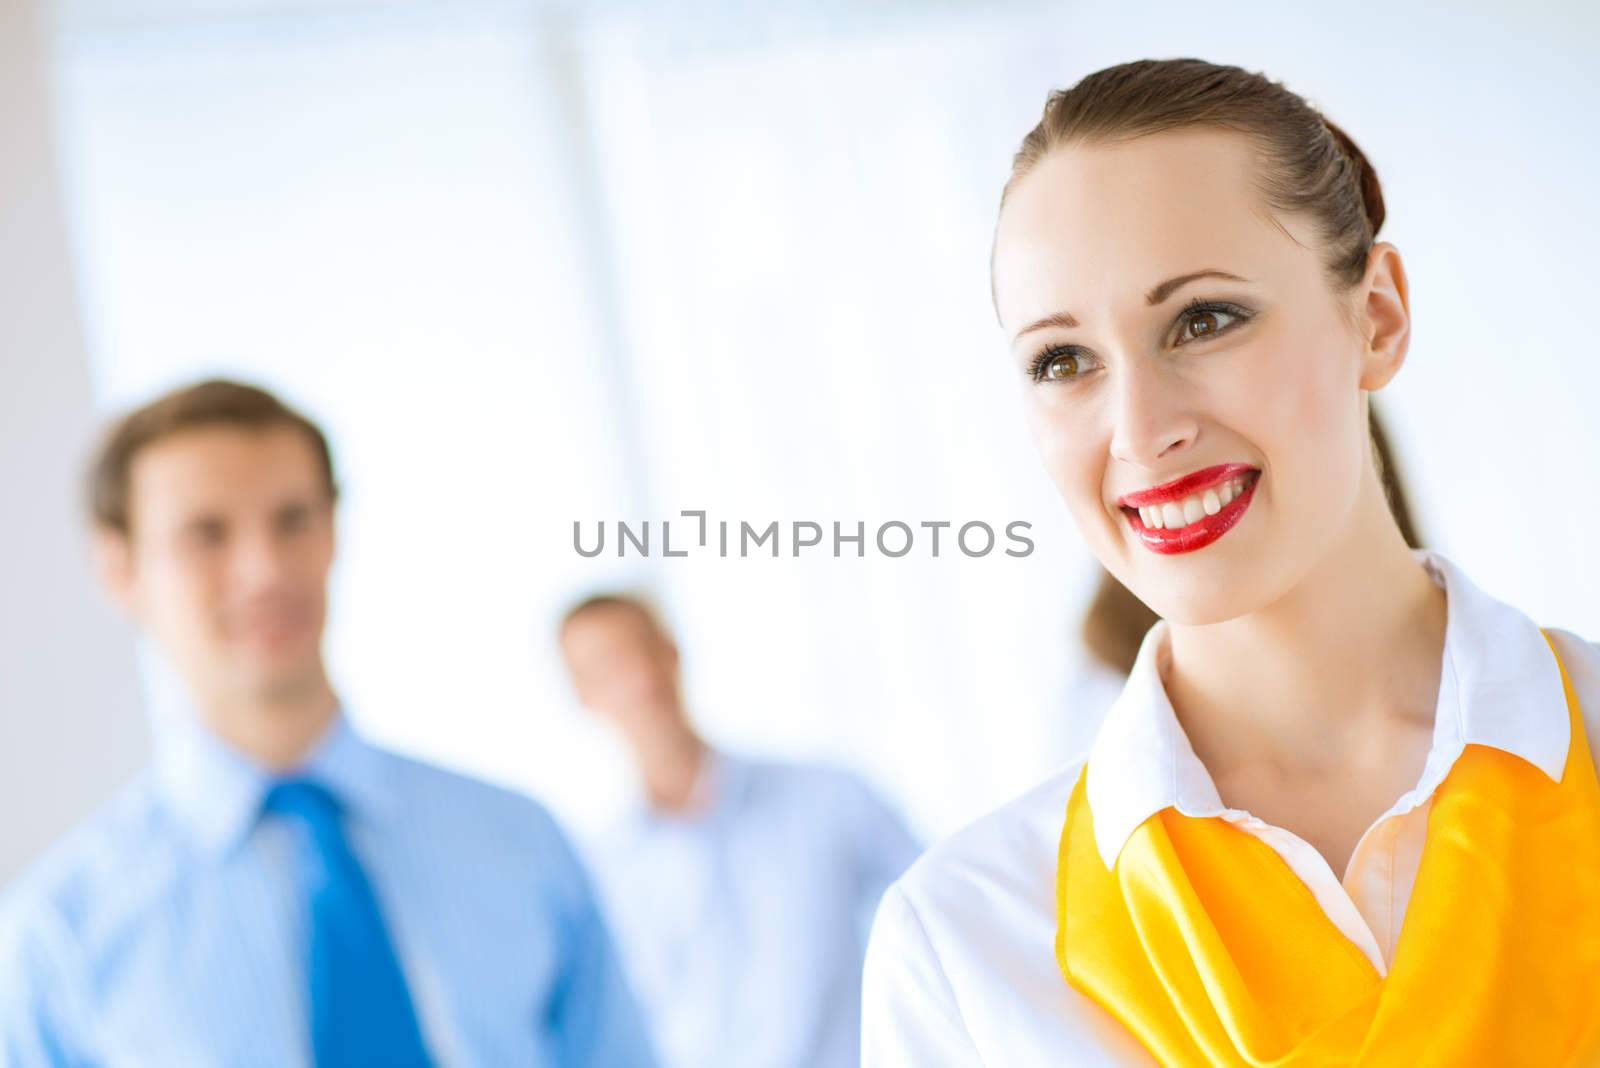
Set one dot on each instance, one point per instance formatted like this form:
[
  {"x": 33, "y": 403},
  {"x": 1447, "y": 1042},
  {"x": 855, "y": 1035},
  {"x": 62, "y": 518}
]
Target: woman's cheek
[
  {"x": 1045, "y": 429},
  {"x": 1309, "y": 435},
  {"x": 1055, "y": 444}
]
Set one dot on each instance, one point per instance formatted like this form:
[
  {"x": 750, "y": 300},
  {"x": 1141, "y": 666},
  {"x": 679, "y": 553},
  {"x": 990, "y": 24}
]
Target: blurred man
[
  {"x": 274, "y": 890},
  {"x": 742, "y": 890}
]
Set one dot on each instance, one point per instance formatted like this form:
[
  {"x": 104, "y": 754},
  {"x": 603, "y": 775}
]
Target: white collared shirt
[{"x": 961, "y": 968}]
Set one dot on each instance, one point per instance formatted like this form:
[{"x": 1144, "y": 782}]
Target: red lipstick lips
[
  {"x": 1202, "y": 532},
  {"x": 1179, "y": 488}
]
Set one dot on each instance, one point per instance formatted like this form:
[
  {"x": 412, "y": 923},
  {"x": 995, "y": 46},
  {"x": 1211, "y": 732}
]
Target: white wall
[{"x": 70, "y": 723}]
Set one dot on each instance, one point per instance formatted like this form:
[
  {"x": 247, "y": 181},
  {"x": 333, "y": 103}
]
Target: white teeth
[{"x": 1192, "y": 508}]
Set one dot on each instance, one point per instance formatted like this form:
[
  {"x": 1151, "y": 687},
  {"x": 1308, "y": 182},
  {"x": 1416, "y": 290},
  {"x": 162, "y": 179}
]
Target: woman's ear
[{"x": 1384, "y": 315}]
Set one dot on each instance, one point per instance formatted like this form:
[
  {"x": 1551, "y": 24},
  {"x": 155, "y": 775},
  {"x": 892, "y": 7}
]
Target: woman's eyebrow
[
  {"x": 1164, "y": 290},
  {"x": 1156, "y": 296}
]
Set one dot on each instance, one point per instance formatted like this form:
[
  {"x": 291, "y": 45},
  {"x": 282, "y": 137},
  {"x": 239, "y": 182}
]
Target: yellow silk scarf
[{"x": 1212, "y": 952}]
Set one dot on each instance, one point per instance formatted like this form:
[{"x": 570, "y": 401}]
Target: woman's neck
[{"x": 1319, "y": 679}]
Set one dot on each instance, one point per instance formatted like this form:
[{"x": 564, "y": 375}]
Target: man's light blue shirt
[
  {"x": 167, "y": 930},
  {"x": 744, "y": 924}
]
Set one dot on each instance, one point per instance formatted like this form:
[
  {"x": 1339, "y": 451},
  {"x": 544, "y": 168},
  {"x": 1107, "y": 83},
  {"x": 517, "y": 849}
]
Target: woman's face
[{"x": 1141, "y": 369}]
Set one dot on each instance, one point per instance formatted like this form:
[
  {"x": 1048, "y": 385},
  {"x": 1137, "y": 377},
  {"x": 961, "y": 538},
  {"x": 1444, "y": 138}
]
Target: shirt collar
[
  {"x": 216, "y": 791},
  {"x": 1499, "y": 686},
  {"x": 722, "y": 779}
]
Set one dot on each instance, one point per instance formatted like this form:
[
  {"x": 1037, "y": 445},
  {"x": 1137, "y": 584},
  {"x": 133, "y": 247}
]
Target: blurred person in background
[
  {"x": 741, "y": 891},
  {"x": 1346, "y": 809},
  {"x": 274, "y": 889}
]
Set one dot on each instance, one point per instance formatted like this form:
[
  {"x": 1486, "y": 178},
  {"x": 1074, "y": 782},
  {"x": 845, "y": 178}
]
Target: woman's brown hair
[{"x": 1308, "y": 166}]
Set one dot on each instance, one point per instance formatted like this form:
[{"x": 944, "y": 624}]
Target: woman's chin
[{"x": 1194, "y": 596}]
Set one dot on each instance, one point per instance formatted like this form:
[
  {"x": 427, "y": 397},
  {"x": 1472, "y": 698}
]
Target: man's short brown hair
[{"x": 216, "y": 402}]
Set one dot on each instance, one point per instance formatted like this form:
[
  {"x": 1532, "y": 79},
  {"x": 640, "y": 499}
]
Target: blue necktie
[{"x": 361, "y": 1013}]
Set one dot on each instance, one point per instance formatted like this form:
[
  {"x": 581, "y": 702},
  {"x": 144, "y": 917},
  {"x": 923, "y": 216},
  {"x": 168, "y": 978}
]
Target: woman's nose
[{"x": 1151, "y": 416}]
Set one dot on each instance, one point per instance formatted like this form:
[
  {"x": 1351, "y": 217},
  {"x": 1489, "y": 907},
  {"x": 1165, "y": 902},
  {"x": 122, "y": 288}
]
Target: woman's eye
[
  {"x": 1206, "y": 322},
  {"x": 1061, "y": 367},
  {"x": 1056, "y": 366}
]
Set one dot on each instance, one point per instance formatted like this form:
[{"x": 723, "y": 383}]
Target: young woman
[{"x": 1345, "y": 811}]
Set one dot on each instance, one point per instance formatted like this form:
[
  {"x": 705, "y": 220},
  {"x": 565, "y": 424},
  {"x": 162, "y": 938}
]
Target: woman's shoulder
[
  {"x": 1005, "y": 859},
  {"x": 984, "y": 899},
  {"x": 962, "y": 969}
]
